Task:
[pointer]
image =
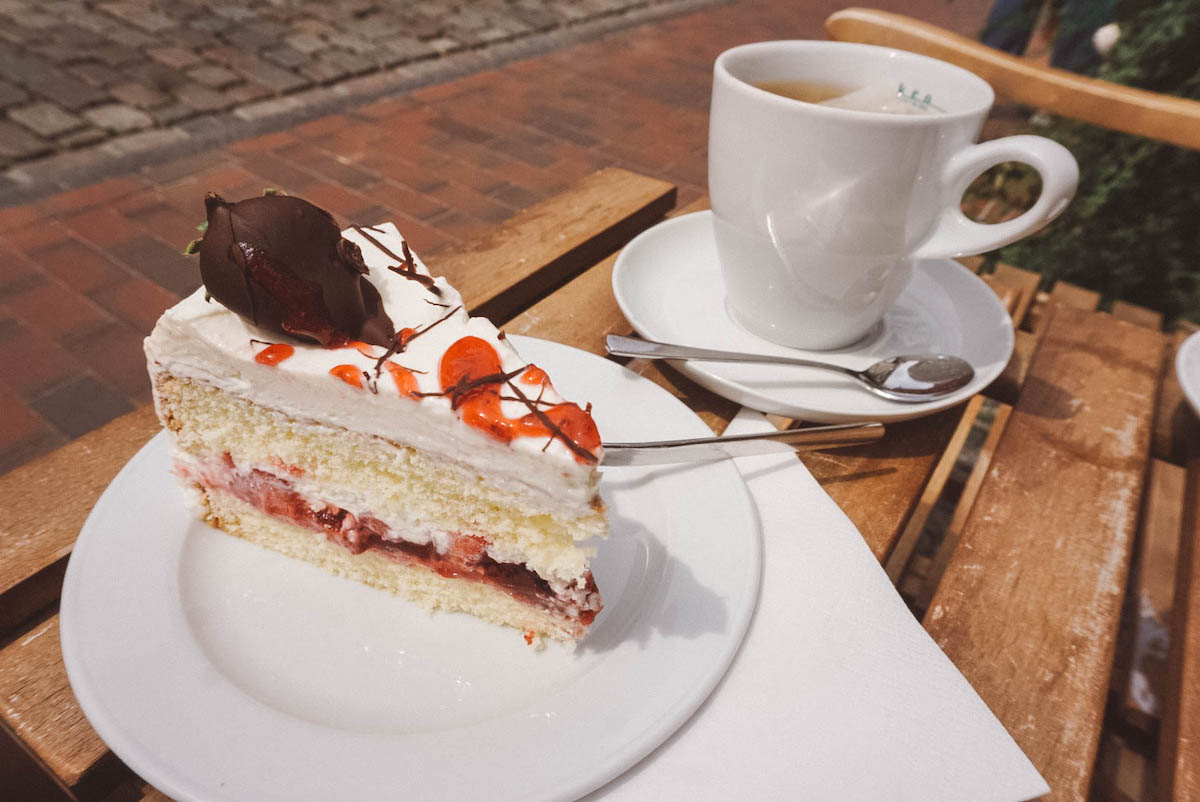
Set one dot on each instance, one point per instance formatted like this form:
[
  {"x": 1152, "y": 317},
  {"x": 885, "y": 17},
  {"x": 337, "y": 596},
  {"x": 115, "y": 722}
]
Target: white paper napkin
[{"x": 837, "y": 691}]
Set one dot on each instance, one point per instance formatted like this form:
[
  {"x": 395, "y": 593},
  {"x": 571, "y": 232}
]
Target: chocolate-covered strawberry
[{"x": 282, "y": 264}]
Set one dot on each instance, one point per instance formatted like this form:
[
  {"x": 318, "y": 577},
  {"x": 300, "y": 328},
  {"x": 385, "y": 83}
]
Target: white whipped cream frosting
[{"x": 204, "y": 341}]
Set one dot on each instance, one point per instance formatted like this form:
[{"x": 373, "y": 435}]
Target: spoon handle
[
  {"x": 650, "y": 349},
  {"x": 706, "y": 449}
]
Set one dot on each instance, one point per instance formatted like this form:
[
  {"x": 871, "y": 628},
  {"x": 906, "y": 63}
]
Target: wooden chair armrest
[{"x": 1121, "y": 108}]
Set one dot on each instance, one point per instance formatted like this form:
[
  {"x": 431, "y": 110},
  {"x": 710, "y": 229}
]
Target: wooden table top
[{"x": 1024, "y": 595}]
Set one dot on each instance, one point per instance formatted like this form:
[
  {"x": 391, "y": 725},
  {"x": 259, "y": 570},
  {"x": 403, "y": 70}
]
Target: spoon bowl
[
  {"x": 917, "y": 377},
  {"x": 908, "y": 378}
]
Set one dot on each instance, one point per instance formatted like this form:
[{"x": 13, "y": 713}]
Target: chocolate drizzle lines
[
  {"x": 260, "y": 342},
  {"x": 461, "y": 388},
  {"x": 407, "y": 268},
  {"x": 401, "y": 342},
  {"x": 435, "y": 303},
  {"x": 537, "y": 401},
  {"x": 579, "y": 450}
]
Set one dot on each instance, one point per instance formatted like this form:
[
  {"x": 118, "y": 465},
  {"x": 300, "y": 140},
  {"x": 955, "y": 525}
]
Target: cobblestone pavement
[
  {"x": 84, "y": 274},
  {"x": 77, "y": 73}
]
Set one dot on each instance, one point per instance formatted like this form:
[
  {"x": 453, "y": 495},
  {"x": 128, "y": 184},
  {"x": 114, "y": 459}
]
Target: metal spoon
[{"x": 910, "y": 378}]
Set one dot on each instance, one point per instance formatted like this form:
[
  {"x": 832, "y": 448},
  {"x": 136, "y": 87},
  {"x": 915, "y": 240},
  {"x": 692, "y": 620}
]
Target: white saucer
[
  {"x": 668, "y": 284},
  {"x": 1187, "y": 368},
  {"x": 221, "y": 671}
]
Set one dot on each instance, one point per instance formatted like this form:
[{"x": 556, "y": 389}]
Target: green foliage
[{"x": 1133, "y": 230}]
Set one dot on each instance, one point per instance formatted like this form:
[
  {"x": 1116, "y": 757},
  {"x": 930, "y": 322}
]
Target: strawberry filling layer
[{"x": 466, "y": 558}]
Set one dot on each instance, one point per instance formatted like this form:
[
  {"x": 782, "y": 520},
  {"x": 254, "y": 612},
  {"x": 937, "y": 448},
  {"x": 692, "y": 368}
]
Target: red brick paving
[{"x": 84, "y": 274}]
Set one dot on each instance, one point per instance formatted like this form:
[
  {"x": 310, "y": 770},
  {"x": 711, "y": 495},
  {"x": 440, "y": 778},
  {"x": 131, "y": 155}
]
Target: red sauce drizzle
[
  {"x": 349, "y": 374},
  {"x": 272, "y": 355},
  {"x": 361, "y": 347},
  {"x": 471, "y": 359},
  {"x": 406, "y": 380},
  {"x": 535, "y": 375}
]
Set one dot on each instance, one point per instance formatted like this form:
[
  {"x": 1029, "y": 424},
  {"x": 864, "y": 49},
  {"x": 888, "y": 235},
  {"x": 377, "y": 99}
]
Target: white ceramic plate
[
  {"x": 668, "y": 284},
  {"x": 220, "y": 671},
  {"x": 1187, "y": 368}
]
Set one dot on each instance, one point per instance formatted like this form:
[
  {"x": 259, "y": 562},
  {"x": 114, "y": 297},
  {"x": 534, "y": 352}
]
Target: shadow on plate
[{"x": 661, "y": 594}]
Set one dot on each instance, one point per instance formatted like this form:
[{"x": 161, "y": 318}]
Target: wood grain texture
[
  {"x": 43, "y": 505},
  {"x": 1029, "y": 605},
  {"x": 1074, "y": 296},
  {"x": 962, "y": 510},
  {"x": 1025, "y": 281},
  {"x": 1007, "y": 386},
  {"x": 878, "y": 486},
  {"x": 1121, "y": 108},
  {"x": 1179, "y": 739},
  {"x": 973, "y": 263},
  {"x": 515, "y": 264},
  {"x": 1009, "y": 296},
  {"x": 1154, "y": 594},
  {"x": 897, "y": 561},
  {"x": 38, "y": 705}
]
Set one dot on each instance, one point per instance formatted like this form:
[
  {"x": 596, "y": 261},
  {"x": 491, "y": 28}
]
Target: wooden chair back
[{"x": 1120, "y": 108}]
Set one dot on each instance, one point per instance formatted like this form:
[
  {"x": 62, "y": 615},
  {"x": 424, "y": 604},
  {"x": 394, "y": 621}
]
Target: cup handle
[{"x": 955, "y": 235}]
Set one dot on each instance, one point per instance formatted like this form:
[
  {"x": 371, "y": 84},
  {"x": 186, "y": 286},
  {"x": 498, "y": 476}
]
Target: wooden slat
[
  {"x": 1175, "y": 424},
  {"x": 1007, "y": 386},
  {"x": 1123, "y": 108},
  {"x": 44, "y": 503},
  {"x": 1073, "y": 296},
  {"x": 1138, "y": 315},
  {"x": 542, "y": 247},
  {"x": 972, "y": 263},
  {"x": 1037, "y": 310},
  {"x": 39, "y": 707},
  {"x": 1139, "y": 673},
  {"x": 878, "y": 486},
  {"x": 1030, "y": 310},
  {"x": 1029, "y": 605},
  {"x": 1122, "y": 773},
  {"x": 1179, "y": 741},
  {"x": 897, "y": 561},
  {"x": 1009, "y": 296},
  {"x": 1154, "y": 593},
  {"x": 962, "y": 510},
  {"x": 1025, "y": 281}
]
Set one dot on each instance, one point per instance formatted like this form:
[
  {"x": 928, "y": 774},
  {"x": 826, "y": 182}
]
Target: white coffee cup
[{"x": 819, "y": 212}]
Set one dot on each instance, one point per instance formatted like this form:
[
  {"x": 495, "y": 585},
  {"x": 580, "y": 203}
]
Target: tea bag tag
[{"x": 883, "y": 99}]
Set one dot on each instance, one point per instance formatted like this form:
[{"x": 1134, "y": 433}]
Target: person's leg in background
[
  {"x": 1010, "y": 24},
  {"x": 1073, "y": 46}
]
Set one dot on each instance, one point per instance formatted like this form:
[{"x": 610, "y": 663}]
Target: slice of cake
[{"x": 329, "y": 399}]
